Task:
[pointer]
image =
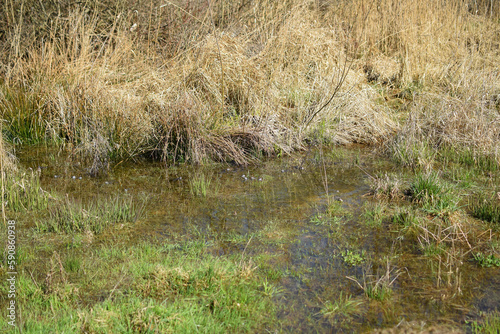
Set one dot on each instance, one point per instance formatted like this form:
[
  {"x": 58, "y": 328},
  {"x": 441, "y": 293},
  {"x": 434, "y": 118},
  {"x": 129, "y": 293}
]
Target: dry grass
[
  {"x": 470, "y": 125},
  {"x": 7, "y": 159},
  {"x": 230, "y": 81},
  {"x": 389, "y": 186}
]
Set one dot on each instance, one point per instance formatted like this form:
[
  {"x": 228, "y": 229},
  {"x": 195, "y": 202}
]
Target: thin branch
[{"x": 347, "y": 66}]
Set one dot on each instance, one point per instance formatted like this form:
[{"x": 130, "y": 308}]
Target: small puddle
[{"x": 276, "y": 213}]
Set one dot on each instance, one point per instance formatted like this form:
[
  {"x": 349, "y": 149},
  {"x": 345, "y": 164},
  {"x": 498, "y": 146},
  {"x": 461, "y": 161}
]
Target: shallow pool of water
[{"x": 280, "y": 214}]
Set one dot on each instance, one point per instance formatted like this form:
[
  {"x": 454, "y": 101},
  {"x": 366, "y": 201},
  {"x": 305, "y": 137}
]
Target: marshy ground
[
  {"x": 215, "y": 166},
  {"x": 340, "y": 239}
]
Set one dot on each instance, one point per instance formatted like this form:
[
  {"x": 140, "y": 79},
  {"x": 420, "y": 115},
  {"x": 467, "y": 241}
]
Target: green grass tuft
[
  {"x": 342, "y": 309},
  {"x": 435, "y": 196},
  {"x": 378, "y": 292},
  {"x": 405, "y": 217},
  {"x": 426, "y": 186},
  {"x": 202, "y": 185},
  {"x": 490, "y": 323},
  {"x": 353, "y": 258},
  {"x": 374, "y": 215},
  {"x": 487, "y": 210},
  {"x": 23, "y": 192},
  {"x": 71, "y": 217}
]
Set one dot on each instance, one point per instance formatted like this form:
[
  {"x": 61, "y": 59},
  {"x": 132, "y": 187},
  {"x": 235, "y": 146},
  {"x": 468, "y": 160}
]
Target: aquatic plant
[
  {"x": 373, "y": 214},
  {"x": 201, "y": 185},
  {"x": 378, "y": 287},
  {"x": 272, "y": 272},
  {"x": 486, "y": 261},
  {"x": 405, "y": 217},
  {"x": 23, "y": 192},
  {"x": 435, "y": 196},
  {"x": 335, "y": 208},
  {"x": 341, "y": 309},
  {"x": 68, "y": 216},
  {"x": 353, "y": 258},
  {"x": 271, "y": 290},
  {"x": 426, "y": 187},
  {"x": 388, "y": 186},
  {"x": 448, "y": 241},
  {"x": 489, "y": 323},
  {"x": 432, "y": 249},
  {"x": 319, "y": 219}
]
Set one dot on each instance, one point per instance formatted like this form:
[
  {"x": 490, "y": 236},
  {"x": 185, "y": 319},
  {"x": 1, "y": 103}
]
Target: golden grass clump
[
  {"x": 7, "y": 159},
  {"x": 427, "y": 38},
  {"x": 464, "y": 121},
  {"x": 8, "y": 162},
  {"x": 212, "y": 109}
]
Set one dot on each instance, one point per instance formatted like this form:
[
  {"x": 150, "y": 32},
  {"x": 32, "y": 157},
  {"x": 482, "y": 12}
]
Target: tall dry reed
[{"x": 228, "y": 81}]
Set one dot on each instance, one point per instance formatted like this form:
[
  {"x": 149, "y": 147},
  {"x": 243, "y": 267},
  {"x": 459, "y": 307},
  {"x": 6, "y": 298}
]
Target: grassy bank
[
  {"x": 147, "y": 288},
  {"x": 198, "y": 81}
]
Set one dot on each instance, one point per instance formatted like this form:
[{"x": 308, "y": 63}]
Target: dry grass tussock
[
  {"x": 7, "y": 159},
  {"x": 466, "y": 121},
  {"x": 446, "y": 120},
  {"x": 230, "y": 81}
]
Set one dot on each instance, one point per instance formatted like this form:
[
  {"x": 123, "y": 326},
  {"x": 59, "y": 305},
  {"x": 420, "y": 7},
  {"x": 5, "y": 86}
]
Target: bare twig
[{"x": 346, "y": 67}]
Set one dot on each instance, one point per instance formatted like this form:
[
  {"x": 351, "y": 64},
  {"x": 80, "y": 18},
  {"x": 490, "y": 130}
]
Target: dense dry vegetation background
[{"x": 235, "y": 80}]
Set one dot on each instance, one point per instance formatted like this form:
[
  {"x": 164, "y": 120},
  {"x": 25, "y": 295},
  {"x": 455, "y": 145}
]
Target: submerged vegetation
[
  {"x": 342, "y": 309},
  {"x": 104, "y": 270},
  {"x": 23, "y": 192},
  {"x": 486, "y": 261},
  {"x": 94, "y": 218},
  {"x": 180, "y": 82},
  {"x": 202, "y": 185}
]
